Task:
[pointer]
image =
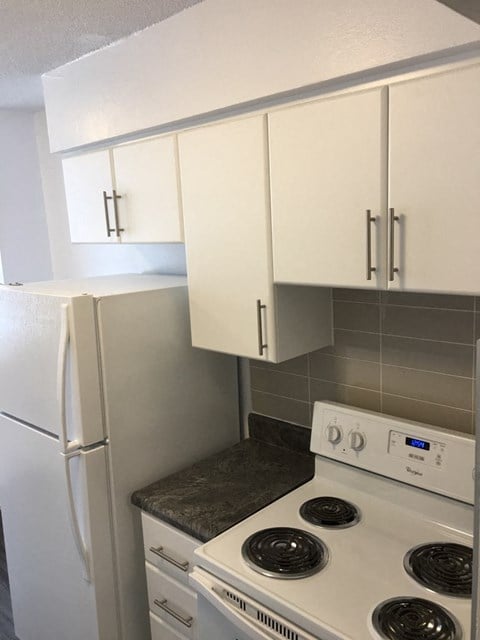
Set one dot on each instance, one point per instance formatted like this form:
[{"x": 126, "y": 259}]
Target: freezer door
[
  {"x": 51, "y": 599},
  {"x": 38, "y": 334}
]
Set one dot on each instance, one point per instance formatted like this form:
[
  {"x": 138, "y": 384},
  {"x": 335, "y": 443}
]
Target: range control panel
[
  {"x": 432, "y": 458},
  {"x": 411, "y": 447}
]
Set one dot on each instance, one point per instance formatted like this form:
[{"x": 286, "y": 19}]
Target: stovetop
[{"x": 365, "y": 563}]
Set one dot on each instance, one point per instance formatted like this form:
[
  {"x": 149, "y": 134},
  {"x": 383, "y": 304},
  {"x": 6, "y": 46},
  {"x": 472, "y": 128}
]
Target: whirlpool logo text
[{"x": 414, "y": 472}]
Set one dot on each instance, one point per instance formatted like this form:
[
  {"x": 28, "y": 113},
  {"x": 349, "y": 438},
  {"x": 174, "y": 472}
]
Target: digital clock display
[{"x": 418, "y": 444}]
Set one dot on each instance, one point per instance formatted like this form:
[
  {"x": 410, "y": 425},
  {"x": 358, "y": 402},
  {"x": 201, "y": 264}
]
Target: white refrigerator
[{"x": 101, "y": 393}]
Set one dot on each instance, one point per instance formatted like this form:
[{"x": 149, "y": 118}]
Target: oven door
[{"x": 226, "y": 613}]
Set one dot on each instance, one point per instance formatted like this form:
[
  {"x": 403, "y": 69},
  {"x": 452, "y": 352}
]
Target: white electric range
[{"x": 378, "y": 545}]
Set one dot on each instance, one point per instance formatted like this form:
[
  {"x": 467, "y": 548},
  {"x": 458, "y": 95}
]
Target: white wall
[
  {"x": 223, "y": 53},
  {"x": 80, "y": 260},
  {"x": 24, "y": 244}
]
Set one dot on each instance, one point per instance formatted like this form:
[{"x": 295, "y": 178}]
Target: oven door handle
[{"x": 205, "y": 586}]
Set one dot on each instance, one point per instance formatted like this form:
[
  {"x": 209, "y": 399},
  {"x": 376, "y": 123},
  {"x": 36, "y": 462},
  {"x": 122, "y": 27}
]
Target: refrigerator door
[
  {"x": 38, "y": 335},
  {"x": 51, "y": 597}
]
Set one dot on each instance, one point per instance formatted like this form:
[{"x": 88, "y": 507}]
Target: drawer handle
[
  {"x": 171, "y": 612},
  {"x": 158, "y": 551}
]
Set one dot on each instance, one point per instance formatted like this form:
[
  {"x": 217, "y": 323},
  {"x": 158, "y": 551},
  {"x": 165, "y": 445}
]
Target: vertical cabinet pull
[
  {"x": 117, "y": 229},
  {"x": 261, "y": 345},
  {"x": 392, "y": 268},
  {"x": 107, "y": 220},
  {"x": 370, "y": 219},
  {"x": 116, "y": 197}
]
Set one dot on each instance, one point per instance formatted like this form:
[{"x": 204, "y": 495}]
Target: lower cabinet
[{"x": 168, "y": 561}]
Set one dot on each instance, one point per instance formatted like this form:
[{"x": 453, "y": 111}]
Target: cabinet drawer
[
  {"x": 168, "y": 548},
  {"x": 161, "y": 631},
  {"x": 172, "y": 602}
]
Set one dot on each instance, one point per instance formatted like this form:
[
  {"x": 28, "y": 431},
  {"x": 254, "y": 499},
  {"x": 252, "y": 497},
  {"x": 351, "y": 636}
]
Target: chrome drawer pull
[
  {"x": 163, "y": 605},
  {"x": 158, "y": 551}
]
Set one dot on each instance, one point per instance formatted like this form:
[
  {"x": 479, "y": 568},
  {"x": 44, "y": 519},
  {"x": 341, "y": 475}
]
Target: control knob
[
  {"x": 357, "y": 441},
  {"x": 334, "y": 434}
]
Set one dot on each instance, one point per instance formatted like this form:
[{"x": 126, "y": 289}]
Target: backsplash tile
[
  {"x": 434, "y": 300},
  {"x": 431, "y": 324},
  {"x": 282, "y": 408},
  {"x": 286, "y": 385},
  {"x": 435, "y": 414},
  {"x": 411, "y": 355},
  {"x": 363, "y": 398},
  {"x": 349, "y": 371},
  {"x": 453, "y": 391},
  {"x": 428, "y": 355},
  {"x": 355, "y": 344},
  {"x": 356, "y": 316}
]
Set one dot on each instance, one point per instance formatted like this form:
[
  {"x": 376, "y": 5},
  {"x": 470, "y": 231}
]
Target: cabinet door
[
  {"x": 435, "y": 182},
  {"x": 146, "y": 180},
  {"x": 227, "y": 234},
  {"x": 328, "y": 168},
  {"x": 86, "y": 178}
]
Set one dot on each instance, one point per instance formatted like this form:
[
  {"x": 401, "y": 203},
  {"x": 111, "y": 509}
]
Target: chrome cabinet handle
[
  {"x": 158, "y": 551},
  {"x": 117, "y": 228},
  {"x": 163, "y": 605},
  {"x": 107, "y": 220},
  {"x": 370, "y": 219},
  {"x": 261, "y": 345},
  {"x": 116, "y": 197},
  {"x": 392, "y": 269}
]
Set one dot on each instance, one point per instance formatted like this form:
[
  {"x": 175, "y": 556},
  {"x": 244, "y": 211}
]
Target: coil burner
[
  {"x": 414, "y": 619},
  {"x": 445, "y": 568},
  {"x": 284, "y": 552},
  {"x": 327, "y": 511}
]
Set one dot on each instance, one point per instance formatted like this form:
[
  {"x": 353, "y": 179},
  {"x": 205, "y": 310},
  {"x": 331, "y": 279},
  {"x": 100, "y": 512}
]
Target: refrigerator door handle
[
  {"x": 68, "y": 450},
  {"x": 66, "y": 447},
  {"x": 73, "y": 516},
  {"x": 62, "y": 375}
]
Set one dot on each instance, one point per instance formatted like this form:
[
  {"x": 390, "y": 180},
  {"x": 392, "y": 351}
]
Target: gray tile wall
[{"x": 411, "y": 355}]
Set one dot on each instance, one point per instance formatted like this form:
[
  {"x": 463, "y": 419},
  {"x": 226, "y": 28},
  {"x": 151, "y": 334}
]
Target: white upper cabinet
[
  {"x": 88, "y": 180},
  {"x": 126, "y": 194},
  {"x": 147, "y": 179},
  {"x": 328, "y": 186},
  {"x": 333, "y": 170},
  {"x": 434, "y": 182},
  {"x": 234, "y": 307}
]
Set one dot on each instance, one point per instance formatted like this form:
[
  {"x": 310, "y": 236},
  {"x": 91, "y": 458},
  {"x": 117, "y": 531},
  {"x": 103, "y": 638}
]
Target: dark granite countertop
[{"x": 216, "y": 493}]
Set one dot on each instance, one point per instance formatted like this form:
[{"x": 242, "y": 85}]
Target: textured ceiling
[{"x": 39, "y": 35}]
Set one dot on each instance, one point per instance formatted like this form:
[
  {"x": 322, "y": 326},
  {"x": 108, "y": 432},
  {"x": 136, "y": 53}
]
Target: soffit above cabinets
[{"x": 223, "y": 55}]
